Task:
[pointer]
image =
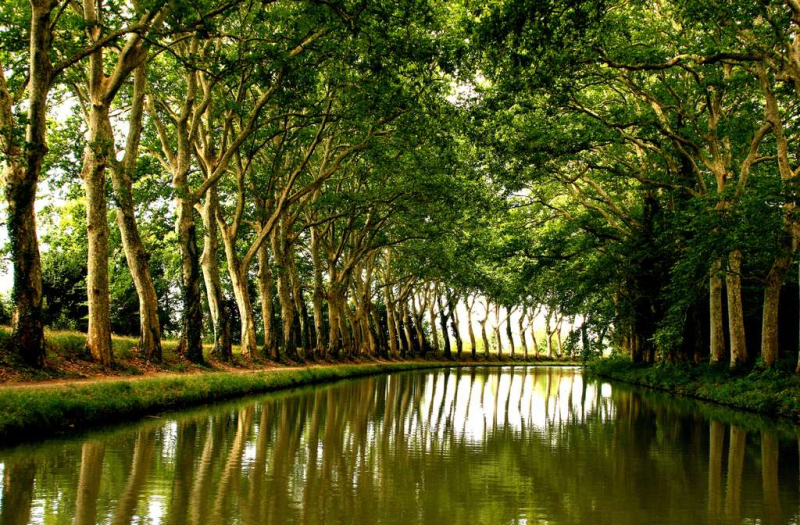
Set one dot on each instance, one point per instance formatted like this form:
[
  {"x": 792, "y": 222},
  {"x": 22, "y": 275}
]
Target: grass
[
  {"x": 770, "y": 392},
  {"x": 132, "y": 387},
  {"x": 30, "y": 412}
]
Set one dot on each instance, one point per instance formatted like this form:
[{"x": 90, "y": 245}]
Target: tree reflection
[{"x": 451, "y": 446}]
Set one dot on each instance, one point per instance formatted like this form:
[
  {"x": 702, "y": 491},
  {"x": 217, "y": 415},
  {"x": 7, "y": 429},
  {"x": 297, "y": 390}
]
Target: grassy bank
[
  {"x": 37, "y": 411},
  {"x": 768, "y": 392}
]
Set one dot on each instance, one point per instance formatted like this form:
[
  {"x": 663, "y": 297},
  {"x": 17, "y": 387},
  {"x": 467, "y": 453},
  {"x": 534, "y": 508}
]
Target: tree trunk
[
  {"x": 208, "y": 261},
  {"x": 510, "y": 334},
  {"x": 93, "y": 173},
  {"x": 497, "y": 323},
  {"x": 265, "y": 290},
  {"x": 522, "y": 337},
  {"x": 20, "y": 188},
  {"x": 455, "y": 326},
  {"x": 135, "y": 253},
  {"x": 717, "y": 327},
  {"x": 432, "y": 320},
  {"x": 318, "y": 296},
  {"x": 407, "y": 327},
  {"x": 390, "y": 321},
  {"x": 299, "y": 302},
  {"x": 191, "y": 344},
  {"x": 448, "y": 354},
  {"x": 284, "y": 297},
  {"x": 733, "y": 282},
  {"x": 472, "y": 341},
  {"x": 769, "y": 323}
]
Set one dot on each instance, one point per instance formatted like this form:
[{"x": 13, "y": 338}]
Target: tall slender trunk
[
  {"x": 266, "y": 287},
  {"x": 299, "y": 302},
  {"x": 456, "y": 329},
  {"x": 522, "y": 338},
  {"x": 93, "y": 173},
  {"x": 471, "y": 330},
  {"x": 390, "y": 321},
  {"x": 769, "y": 322},
  {"x": 733, "y": 282},
  {"x": 208, "y": 261},
  {"x": 318, "y": 295},
  {"x": 21, "y": 178},
  {"x": 497, "y": 323},
  {"x": 486, "y": 346},
  {"x": 191, "y": 345},
  {"x": 432, "y": 321},
  {"x": 407, "y": 326},
  {"x": 284, "y": 297},
  {"x": 510, "y": 334},
  {"x": 135, "y": 253},
  {"x": 443, "y": 316},
  {"x": 717, "y": 326},
  {"x": 533, "y": 338}
]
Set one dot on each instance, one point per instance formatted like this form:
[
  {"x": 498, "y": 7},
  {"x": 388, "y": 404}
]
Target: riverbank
[
  {"x": 33, "y": 411},
  {"x": 769, "y": 392}
]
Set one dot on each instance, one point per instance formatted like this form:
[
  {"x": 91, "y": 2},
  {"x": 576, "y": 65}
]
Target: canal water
[{"x": 454, "y": 446}]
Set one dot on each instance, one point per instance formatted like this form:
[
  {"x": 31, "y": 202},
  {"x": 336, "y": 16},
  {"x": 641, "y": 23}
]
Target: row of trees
[
  {"x": 336, "y": 177},
  {"x": 649, "y": 151},
  {"x": 299, "y": 146}
]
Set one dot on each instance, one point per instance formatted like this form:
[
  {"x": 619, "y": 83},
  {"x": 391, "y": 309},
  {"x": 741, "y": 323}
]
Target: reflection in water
[{"x": 453, "y": 446}]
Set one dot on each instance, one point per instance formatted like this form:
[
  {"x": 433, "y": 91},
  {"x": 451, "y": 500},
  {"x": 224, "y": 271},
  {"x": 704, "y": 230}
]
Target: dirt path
[{"x": 67, "y": 383}]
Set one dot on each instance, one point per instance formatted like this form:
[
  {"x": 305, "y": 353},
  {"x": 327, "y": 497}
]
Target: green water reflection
[{"x": 480, "y": 446}]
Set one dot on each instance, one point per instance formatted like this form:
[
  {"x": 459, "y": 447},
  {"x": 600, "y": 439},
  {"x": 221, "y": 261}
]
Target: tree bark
[
  {"x": 318, "y": 295},
  {"x": 470, "y": 306},
  {"x": 443, "y": 316},
  {"x": 135, "y": 252},
  {"x": 510, "y": 334},
  {"x": 20, "y": 179},
  {"x": 93, "y": 173},
  {"x": 266, "y": 287},
  {"x": 191, "y": 345},
  {"x": 222, "y": 349},
  {"x": 733, "y": 282},
  {"x": 769, "y": 322},
  {"x": 717, "y": 326}
]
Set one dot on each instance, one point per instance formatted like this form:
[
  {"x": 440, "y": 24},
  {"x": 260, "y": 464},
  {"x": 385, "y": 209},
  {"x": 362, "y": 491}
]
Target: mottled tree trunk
[
  {"x": 284, "y": 295},
  {"x": 471, "y": 330},
  {"x": 510, "y": 334},
  {"x": 769, "y": 322},
  {"x": 222, "y": 349},
  {"x": 456, "y": 329},
  {"x": 733, "y": 282},
  {"x": 318, "y": 295},
  {"x": 191, "y": 344},
  {"x": 21, "y": 178},
  {"x": 390, "y": 321},
  {"x": 497, "y": 336},
  {"x": 448, "y": 354},
  {"x": 717, "y": 326},
  {"x": 135, "y": 253},
  {"x": 266, "y": 286},
  {"x": 93, "y": 173}
]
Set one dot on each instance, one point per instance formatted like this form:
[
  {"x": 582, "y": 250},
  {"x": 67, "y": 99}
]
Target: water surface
[{"x": 468, "y": 446}]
